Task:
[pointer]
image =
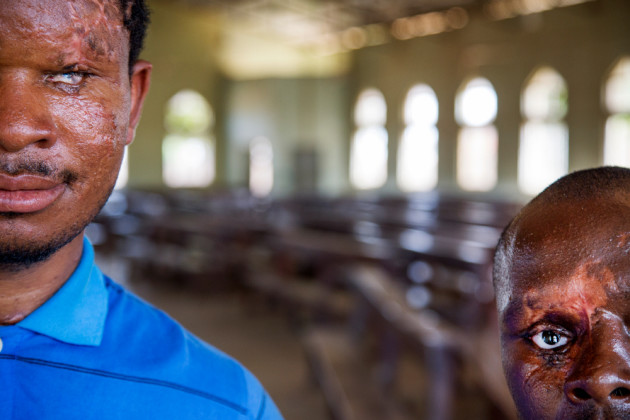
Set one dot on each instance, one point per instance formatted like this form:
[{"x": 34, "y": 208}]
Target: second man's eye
[{"x": 549, "y": 339}]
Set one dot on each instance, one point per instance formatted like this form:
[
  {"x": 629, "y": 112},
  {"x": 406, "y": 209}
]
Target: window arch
[
  {"x": 368, "y": 151},
  {"x": 260, "y": 167},
  {"x": 477, "y": 142},
  {"x": 417, "y": 168},
  {"x": 617, "y": 104},
  {"x": 188, "y": 148},
  {"x": 543, "y": 154}
]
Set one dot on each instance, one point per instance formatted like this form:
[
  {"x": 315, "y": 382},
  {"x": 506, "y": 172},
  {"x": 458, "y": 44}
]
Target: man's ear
[{"x": 140, "y": 81}]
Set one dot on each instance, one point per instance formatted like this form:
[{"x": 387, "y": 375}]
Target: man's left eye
[
  {"x": 69, "y": 78},
  {"x": 549, "y": 339}
]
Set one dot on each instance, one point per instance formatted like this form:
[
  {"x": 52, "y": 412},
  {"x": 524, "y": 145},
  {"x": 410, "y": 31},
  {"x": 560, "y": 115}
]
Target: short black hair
[
  {"x": 602, "y": 182},
  {"x": 136, "y": 19}
]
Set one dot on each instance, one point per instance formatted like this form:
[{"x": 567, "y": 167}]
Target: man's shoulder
[
  {"x": 151, "y": 346},
  {"x": 149, "y": 337},
  {"x": 131, "y": 318}
]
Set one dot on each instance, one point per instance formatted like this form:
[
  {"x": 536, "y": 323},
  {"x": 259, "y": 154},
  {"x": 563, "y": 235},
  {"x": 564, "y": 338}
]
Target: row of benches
[
  {"x": 392, "y": 296},
  {"x": 420, "y": 274}
]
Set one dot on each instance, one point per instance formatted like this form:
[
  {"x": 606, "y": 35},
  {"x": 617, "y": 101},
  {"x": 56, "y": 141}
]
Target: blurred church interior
[{"x": 317, "y": 186}]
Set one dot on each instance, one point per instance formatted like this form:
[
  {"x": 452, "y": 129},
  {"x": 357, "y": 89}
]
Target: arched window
[
  {"x": 617, "y": 104},
  {"x": 543, "y": 154},
  {"x": 478, "y": 140},
  {"x": 417, "y": 168},
  {"x": 368, "y": 152},
  {"x": 123, "y": 173},
  {"x": 188, "y": 150},
  {"x": 260, "y": 167}
]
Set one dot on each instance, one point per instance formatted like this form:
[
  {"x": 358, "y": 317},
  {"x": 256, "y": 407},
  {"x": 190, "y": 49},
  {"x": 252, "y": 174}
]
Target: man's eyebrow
[
  {"x": 61, "y": 59},
  {"x": 532, "y": 301},
  {"x": 65, "y": 60},
  {"x": 70, "y": 67},
  {"x": 514, "y": 311}
]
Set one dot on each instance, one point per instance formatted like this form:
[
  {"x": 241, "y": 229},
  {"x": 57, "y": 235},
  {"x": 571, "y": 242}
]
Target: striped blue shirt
[{"x": 95, "y": 351}]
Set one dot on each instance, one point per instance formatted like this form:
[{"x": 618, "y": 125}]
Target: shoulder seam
[{"x": 128, "y": 378}]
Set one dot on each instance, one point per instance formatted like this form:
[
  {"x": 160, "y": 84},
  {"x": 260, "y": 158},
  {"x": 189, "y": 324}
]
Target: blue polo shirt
[{"x": 95, "y": 351}]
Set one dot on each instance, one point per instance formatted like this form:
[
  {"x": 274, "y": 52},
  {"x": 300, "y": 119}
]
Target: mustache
[{"x": 36, "y": 167}]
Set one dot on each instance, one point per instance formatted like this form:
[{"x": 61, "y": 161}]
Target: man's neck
[{"x": 23, "y": 291}]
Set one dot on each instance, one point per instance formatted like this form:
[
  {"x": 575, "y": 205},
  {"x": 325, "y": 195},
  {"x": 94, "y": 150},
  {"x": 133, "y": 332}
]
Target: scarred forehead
[
  {"x": 76, "y": 12},
  {"x": 94, "y": 26},
  {"x": 572, "y": 255}
]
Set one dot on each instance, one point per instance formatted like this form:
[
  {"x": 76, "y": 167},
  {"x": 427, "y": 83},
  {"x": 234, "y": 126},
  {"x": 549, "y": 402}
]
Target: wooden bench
[
  {"x": 460, "y": 255},
  {"x": 376, "y": 284}
]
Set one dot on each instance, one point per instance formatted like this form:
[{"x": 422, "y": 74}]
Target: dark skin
[
  {"x": 564, "y": 314},
  {"x": 68, "y": 107}
]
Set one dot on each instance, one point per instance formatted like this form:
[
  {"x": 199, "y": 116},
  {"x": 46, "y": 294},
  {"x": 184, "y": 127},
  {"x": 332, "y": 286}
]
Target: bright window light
[
  {"x": 542, "y": 156},
  {"x": 478, "y": 140},
  {"x": 371, "y": 108},
  {"x": 543, "y": 153},
  {"x": 260, "y": 167},
  {"x": 617, "y": 140},
  {"x": 476, "y": 104},
  {"x": 369, "y": 149},
  {"x": 617, "y": 90},
  {"x": 188, "y": 162},
  {"x": 368, "y": 164},
  {"x": 617, "y": 101},
  {"x": 477, "y": 158},
  {"x": 545, "y": 96},
  {"x": 123, "y": 174},
  {"x": 417, "y": 163},
  {"x": 188, "y": 158},
  {"x": 188, "y": 112},
  {"x": 421, "y": 106}
]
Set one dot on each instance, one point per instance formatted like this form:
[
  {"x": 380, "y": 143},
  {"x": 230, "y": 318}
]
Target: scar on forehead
[
  {"x": 602, "y": 273},
  {"x": 108, "y": 8},
  {"x": 623, "y": 241},
  {"x": 62, "y": 59},
  {"x": 94, "y": 23},
  {"x": 94, "y": 45},
  {"x": 582, "y": 294}
]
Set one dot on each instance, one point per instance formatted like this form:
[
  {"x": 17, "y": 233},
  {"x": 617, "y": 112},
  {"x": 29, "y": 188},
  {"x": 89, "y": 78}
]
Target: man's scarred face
[
  {"x": 565, "y": 314},
  {"x": 66, "y": 113}
]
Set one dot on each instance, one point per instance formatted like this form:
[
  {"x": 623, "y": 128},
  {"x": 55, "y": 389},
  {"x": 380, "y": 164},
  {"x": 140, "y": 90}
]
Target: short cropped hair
[
  {"x": 136, "y": 19},
  {"x": 600, "y": 182}
]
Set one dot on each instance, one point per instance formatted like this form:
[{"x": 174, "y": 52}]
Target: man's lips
[{"x": 27, "y": 193}]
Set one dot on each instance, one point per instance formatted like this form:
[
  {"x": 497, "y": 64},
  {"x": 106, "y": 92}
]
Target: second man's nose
[{"x": 601, "y": 372}]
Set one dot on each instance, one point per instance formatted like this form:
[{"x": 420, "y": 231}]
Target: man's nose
[
  {"x": 601, "y": 374},
  {"x": 24, "y": 115}
]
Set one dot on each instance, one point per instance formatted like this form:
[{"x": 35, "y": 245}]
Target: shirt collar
[{"x": 76, "y": 313}]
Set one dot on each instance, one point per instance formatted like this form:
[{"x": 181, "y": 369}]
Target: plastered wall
[{"x": 581, "y": 42}]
